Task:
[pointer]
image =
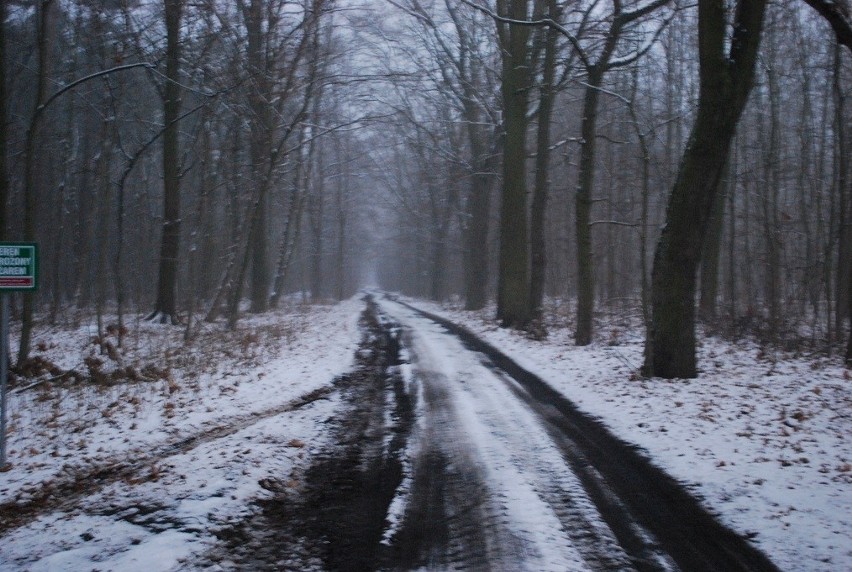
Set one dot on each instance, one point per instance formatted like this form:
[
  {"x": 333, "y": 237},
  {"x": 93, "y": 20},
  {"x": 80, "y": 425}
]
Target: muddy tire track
[
  {"x": 337, "y": 517},
  {"x": 458, "y": 517},
  {"x": 656, "y": 520},
  {"x": 447, "y": 505}
]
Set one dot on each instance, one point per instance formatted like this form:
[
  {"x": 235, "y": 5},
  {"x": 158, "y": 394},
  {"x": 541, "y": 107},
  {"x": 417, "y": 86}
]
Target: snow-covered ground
[
  {"x": 165, "y": 511},
  {"x": 764, "y": 438}
]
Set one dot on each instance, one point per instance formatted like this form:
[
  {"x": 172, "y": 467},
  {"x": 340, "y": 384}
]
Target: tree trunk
[
  {"x": 260, "y": 274},
  {"x": 843, "y": 306},
  {"x": 442, "y": 217},
  {"x": 732, "y": 242},
  {"x": 316, "y": 217},
  {"x": 437, "y": 267},
  {"x": 771, "y": 225},
  {"x": 340, "y": 255},
  {"x": 476, "y": 237},
  {"x": 165, "y": 309},
  {"x": 4, "y": 174},
  {"x": 646, "y": 196},
  {"x": 477, "y": 211},
  {"x": 292, "y": 231},
  {"x": 538, "y": 254},
  {"x": 260, "y": 150},
  {"x": 707, "y": 305},
  {"x": 725, "y": 82},
  {"x": 585, "y": 180},
  {"x": 103, "y": 171},
  {"x": 513, "y": 291},
  {"x": 849, "y": 343},
  {"x": 583, "y": 212},
  {"x": 31, "y": 182}
]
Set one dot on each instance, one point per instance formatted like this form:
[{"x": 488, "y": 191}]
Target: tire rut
[
  {"x": 458, "y": 517},
  {"x": 447, "y": 505},
  {"x": 656, "y": 521},
  {"x": 337, "y": 518}
]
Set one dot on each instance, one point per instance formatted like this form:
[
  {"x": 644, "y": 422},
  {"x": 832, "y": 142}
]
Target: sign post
[{"x": 18, "y": 273}]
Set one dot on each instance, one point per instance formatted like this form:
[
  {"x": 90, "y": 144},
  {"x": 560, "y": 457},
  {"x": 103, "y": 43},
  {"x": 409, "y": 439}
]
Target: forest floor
[{"x": 168, "y": 455}]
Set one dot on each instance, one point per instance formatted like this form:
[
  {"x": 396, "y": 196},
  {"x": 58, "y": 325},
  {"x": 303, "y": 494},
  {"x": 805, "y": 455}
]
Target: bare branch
[
  {"x": 838, "y": 18},
  {"x": 82, "y": 80},
  {"x": 614, "y": 223},
  {"x": 415, "y": 13},
  {"x": 575, "y": 43},
  {"x": 627, "y": 17},
  {"x": 641, "y": 51},
  {"x": 605, "y": 91}
]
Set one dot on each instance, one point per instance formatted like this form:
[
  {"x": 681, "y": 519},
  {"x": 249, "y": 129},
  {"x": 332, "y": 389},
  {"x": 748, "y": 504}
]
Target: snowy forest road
[
  {"x": 457, "y": 458},
  {"x": 433, "y": 451}
]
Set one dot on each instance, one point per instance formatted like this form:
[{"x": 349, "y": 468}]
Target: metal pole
[{"x": 4, "y": 374}]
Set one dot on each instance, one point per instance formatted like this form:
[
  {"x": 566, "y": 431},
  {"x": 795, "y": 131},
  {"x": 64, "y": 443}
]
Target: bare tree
[
  {"x": 597, "y": 66},
  {"x": 165, "y": 310},
  {"x": 726, "y": 77},
  {"x": 541, "y": 186},
  {"x": 44, "y": 19},
  {"x": 513, "y": 286}
]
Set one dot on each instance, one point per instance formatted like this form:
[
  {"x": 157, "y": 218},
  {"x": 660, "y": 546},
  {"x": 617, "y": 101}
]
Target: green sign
[{"x": 18, "y": 266}]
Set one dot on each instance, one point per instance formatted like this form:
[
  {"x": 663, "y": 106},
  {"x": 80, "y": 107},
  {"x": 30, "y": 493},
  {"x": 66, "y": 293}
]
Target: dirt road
[{"x": 450, "y": 456}]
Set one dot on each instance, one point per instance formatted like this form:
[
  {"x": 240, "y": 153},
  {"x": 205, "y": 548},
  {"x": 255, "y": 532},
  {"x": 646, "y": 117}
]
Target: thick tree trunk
[
  {"x": 166, "y": 305},
  {"x": 672, "y": 334},
  {"x": 726, "y": 81},
  {"x": 513, "y": 290},
  {"x": 583, "y": 199}
]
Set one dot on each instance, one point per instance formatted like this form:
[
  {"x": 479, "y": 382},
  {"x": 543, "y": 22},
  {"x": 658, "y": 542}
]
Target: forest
[{"x": 684, "y": 161}]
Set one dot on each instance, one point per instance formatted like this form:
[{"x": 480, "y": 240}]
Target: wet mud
[{"x": 336, "y": 518}]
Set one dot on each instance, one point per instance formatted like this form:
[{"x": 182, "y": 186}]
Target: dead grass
[{"x": 146, "y": 352}]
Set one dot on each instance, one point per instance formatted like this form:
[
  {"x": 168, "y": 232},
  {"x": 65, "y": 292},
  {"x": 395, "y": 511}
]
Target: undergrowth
[{"x": 148, "y": 352}]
